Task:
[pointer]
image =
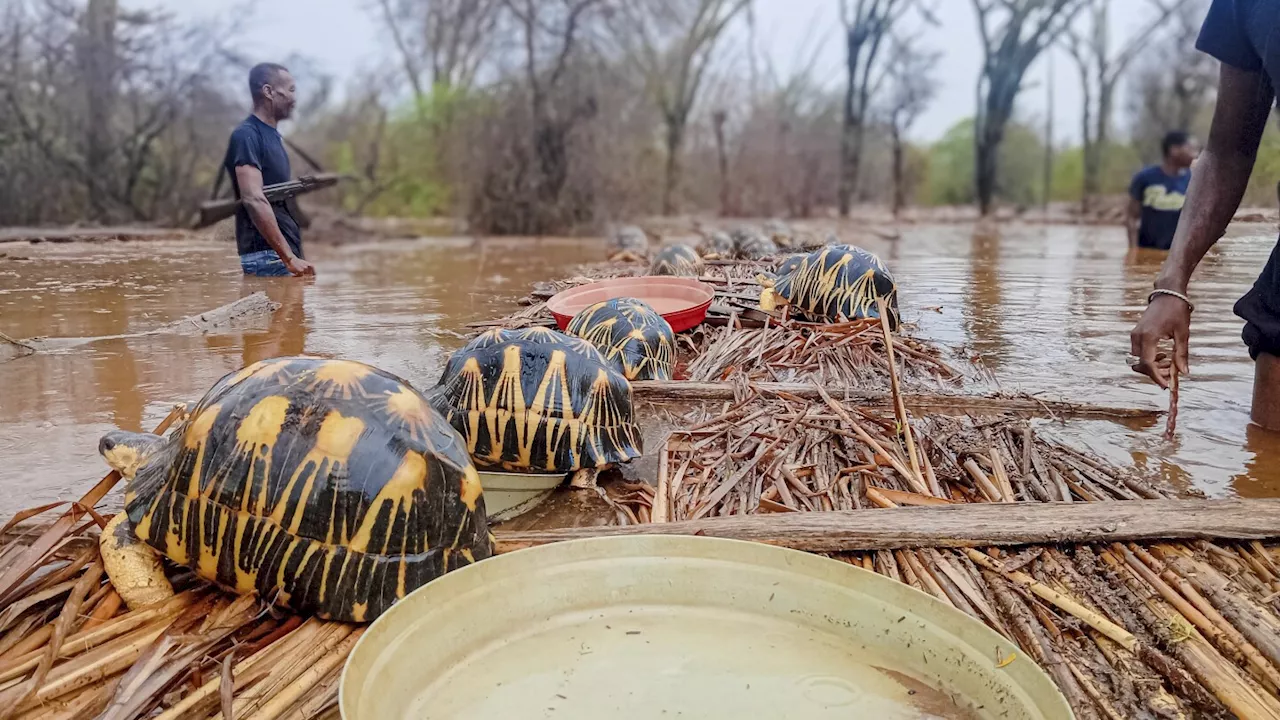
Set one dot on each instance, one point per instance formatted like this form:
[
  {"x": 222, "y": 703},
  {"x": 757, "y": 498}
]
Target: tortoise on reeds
[
  {"x": 629, "y": 334},
  {"x": 838, "y": 281},
  {"x": 535, "y": 400},
  {"x": 628, "y": 244},
  {"x": 780, "y": 233},
  {"x": 716, "y": 245},
  {"x": 751, "y": 245},
  {"x": 326, "y": 486},
  {"x": 678, "y": 259}
]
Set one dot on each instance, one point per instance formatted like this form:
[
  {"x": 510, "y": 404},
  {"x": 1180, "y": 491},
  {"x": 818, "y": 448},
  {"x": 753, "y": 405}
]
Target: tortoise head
[{"x": 126, "y": 451}]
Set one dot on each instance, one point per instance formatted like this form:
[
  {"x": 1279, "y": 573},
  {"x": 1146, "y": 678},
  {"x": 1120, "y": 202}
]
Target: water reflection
[{"x": 1048, "y": 308}]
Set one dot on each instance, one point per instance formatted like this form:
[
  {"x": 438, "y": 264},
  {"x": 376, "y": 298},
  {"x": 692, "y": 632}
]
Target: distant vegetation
[{"x": 526, "y": 116}]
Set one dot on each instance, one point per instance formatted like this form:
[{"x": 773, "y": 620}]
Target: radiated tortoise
[
  {"x": 630, "y": 335},
  {"x": 326, "y": 486}
]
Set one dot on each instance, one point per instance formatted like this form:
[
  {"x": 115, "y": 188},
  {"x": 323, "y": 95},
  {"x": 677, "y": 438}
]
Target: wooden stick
[
  {"x": 899, "y": 408},
  {"x": 1171, "y": 422},
  {"x": 916, "y": 402},
  {"x": 1063, "y": 602},
  {"x": 661, "y": 501},
  {"x": 961, "y": 525},
  {"x": 916, "y": 483}
]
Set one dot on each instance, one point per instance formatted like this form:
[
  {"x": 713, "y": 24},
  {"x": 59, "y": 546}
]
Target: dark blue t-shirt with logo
[
  {"x": 258, "y": 144},
  {"x": 1161, "y": 196}
]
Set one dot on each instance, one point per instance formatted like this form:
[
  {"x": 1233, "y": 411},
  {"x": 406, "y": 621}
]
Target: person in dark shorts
[
  {"x": 1238, "y": 34},
  {"x": 267, "y": 235},
  {"x": 1157, "y": 193}
]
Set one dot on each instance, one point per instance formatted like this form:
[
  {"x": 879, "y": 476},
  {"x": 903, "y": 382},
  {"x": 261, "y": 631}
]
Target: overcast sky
[{"x": 341, "y": 36}]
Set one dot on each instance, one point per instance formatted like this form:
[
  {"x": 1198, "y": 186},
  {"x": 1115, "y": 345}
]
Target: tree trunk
[
  {"x": 899, "y": 179},
  {"x": 722, "y": 161},
  {"x": 671, "y": 183},
  {"x": 960, "y": 525},
  {"x": 850, "y": 136},
  {"x": 986, "y": 152},
  {"x": 96, "y": 54}
]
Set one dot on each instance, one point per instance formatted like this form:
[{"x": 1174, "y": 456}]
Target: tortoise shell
[
  {"x": 751, "y": 245},
  {"x": 628, "y": 238},
  {"x": 327, "y": 486},
  {"x": 716, "y": 246},
  {"x": 535, "y": 400},
  {"x": 679, "y": 259},
  {"x": 840, "y": 281},
  {"x": 629, "y": 334}
]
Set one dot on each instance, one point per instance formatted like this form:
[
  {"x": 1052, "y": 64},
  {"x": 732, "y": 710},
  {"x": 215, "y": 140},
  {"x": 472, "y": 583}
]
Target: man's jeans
[{"x": 264, "y": 263}]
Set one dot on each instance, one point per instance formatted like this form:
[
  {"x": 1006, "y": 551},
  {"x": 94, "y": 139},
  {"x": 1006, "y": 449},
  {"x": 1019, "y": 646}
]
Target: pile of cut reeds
[{"x": 847, "y": 354}]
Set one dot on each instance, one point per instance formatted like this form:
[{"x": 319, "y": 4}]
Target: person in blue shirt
[
  {"x": 1157, "y": 193},
  {"x": 267, "y": 236},
  {"x": 1239, "y": 34}
]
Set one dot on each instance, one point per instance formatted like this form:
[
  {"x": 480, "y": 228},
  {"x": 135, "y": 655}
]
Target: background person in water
[
  {"x": 1236, "y": 32},
  {"x": 1157, "y": 193},
  {"x": 267, "y": 236}
]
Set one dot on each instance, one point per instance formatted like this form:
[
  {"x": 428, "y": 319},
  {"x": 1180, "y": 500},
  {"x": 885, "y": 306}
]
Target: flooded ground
[{"x": 1048, "y": 310}]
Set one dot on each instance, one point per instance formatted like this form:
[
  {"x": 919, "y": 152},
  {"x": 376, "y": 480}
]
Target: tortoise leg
[
  {"x": 133, "y": 566},
  {"x": 584, "y": 478}
]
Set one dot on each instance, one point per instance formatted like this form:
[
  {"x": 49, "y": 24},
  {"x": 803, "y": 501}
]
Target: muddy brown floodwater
[{"x": 1048, "y": 310}]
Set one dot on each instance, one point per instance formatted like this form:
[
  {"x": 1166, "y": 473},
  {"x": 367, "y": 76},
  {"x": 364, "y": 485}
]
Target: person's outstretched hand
[{"x": 1166, "y": 317}]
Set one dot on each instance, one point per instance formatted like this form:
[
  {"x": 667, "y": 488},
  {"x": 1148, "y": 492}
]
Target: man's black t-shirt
[
  {"x": 258, "y": 144},
  {"x": 1240, "y": 34}
]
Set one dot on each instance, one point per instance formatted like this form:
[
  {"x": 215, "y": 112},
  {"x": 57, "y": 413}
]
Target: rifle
[{"x": 213, "y": 211}]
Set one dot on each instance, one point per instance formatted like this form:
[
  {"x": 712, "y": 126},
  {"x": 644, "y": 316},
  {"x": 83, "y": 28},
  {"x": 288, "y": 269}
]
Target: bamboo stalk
[
  {"x": 1069, "y": 605},
  {"x": 294, "y": 691},
  {"x": 899, "y": 408},
  {"x": 662, "y": 504}
]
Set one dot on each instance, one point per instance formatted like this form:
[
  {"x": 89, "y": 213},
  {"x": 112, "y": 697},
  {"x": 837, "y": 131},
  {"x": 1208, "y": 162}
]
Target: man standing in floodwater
[
  {"x": 1157, "y": 193},
  {"x": 1238, "y": 33},
  {"x": 267, "y": 235}
]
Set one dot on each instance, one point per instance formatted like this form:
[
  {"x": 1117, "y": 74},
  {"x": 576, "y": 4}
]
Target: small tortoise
[
  {"x": 678, "y": 259},
  {"x": 628, "y": 244},
  {"x": 839, "y": 281},
  {"x": 326, "y": 486},
  {"x": 780, "y": 233},
  {"x": 751, "y": 245},
  {"x": 716, "y": 245},
  {"x": 534, "y": 400},
  {"x": 631, "y": 335}
]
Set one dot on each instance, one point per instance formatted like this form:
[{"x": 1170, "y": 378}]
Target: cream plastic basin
[
  {"x": 510, "y": 494},
  {"x": 666, "y": 627}
]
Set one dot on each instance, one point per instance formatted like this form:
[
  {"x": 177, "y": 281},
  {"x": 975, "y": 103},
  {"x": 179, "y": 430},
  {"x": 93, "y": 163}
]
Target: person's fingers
[{"x": 1146, "y": 352}]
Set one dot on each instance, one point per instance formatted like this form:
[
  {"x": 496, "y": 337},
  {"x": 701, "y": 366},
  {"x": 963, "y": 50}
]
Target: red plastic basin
[{"x": 681, "y": 301}]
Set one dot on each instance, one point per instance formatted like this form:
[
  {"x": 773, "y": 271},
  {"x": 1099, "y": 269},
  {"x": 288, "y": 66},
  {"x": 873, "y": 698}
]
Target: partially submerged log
[
  {"x": 248, "y": 312},
  {"x": 961, "y": 525},
  {"x": 916, "y": 402}
]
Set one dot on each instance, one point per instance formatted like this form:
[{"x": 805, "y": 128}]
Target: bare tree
[
  {"x": 867, "y": 24},
  {"x": 718, "y": 120},
  {"x": 110, "y": 109},
  {"x": 440, "y": 43},
  {"x": 1100, "y": 74},
  {"x": 912, "y": 86},
  {"x": 1014, "y": 33},
  {"x": 672, "y": 43},
  {"x": 1173, "y": 83}
]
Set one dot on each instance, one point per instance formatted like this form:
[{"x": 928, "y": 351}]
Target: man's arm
[
  {"x": 249, "y": 179},
  {"x": 1218, "y": 184},
  {"x": 1131, "y": 216}
]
